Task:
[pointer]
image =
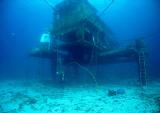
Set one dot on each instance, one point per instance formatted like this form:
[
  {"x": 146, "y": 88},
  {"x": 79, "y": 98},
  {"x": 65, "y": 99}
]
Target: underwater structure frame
[{"x": 80, "y": 37}]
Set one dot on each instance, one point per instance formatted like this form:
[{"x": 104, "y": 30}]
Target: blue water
[{"x": 23, "y": 21}]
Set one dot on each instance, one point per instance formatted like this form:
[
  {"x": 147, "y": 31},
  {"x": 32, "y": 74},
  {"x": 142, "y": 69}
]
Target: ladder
[{"x": 142, "y": 68}]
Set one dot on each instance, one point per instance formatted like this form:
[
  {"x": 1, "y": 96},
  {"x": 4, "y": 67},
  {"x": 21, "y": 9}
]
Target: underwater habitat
[{"x": 80, "y": 56}]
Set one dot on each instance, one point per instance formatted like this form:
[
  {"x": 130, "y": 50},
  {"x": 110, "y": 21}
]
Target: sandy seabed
[{"x": 42, "y": 97}]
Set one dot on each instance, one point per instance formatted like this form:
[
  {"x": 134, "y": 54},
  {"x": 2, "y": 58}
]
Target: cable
[
  {"x": 106, "y": 8},
  {"x": 59, "y": 71},
  {"x": 87, "y": 70},
  {"x": 50, "y": 4}
]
